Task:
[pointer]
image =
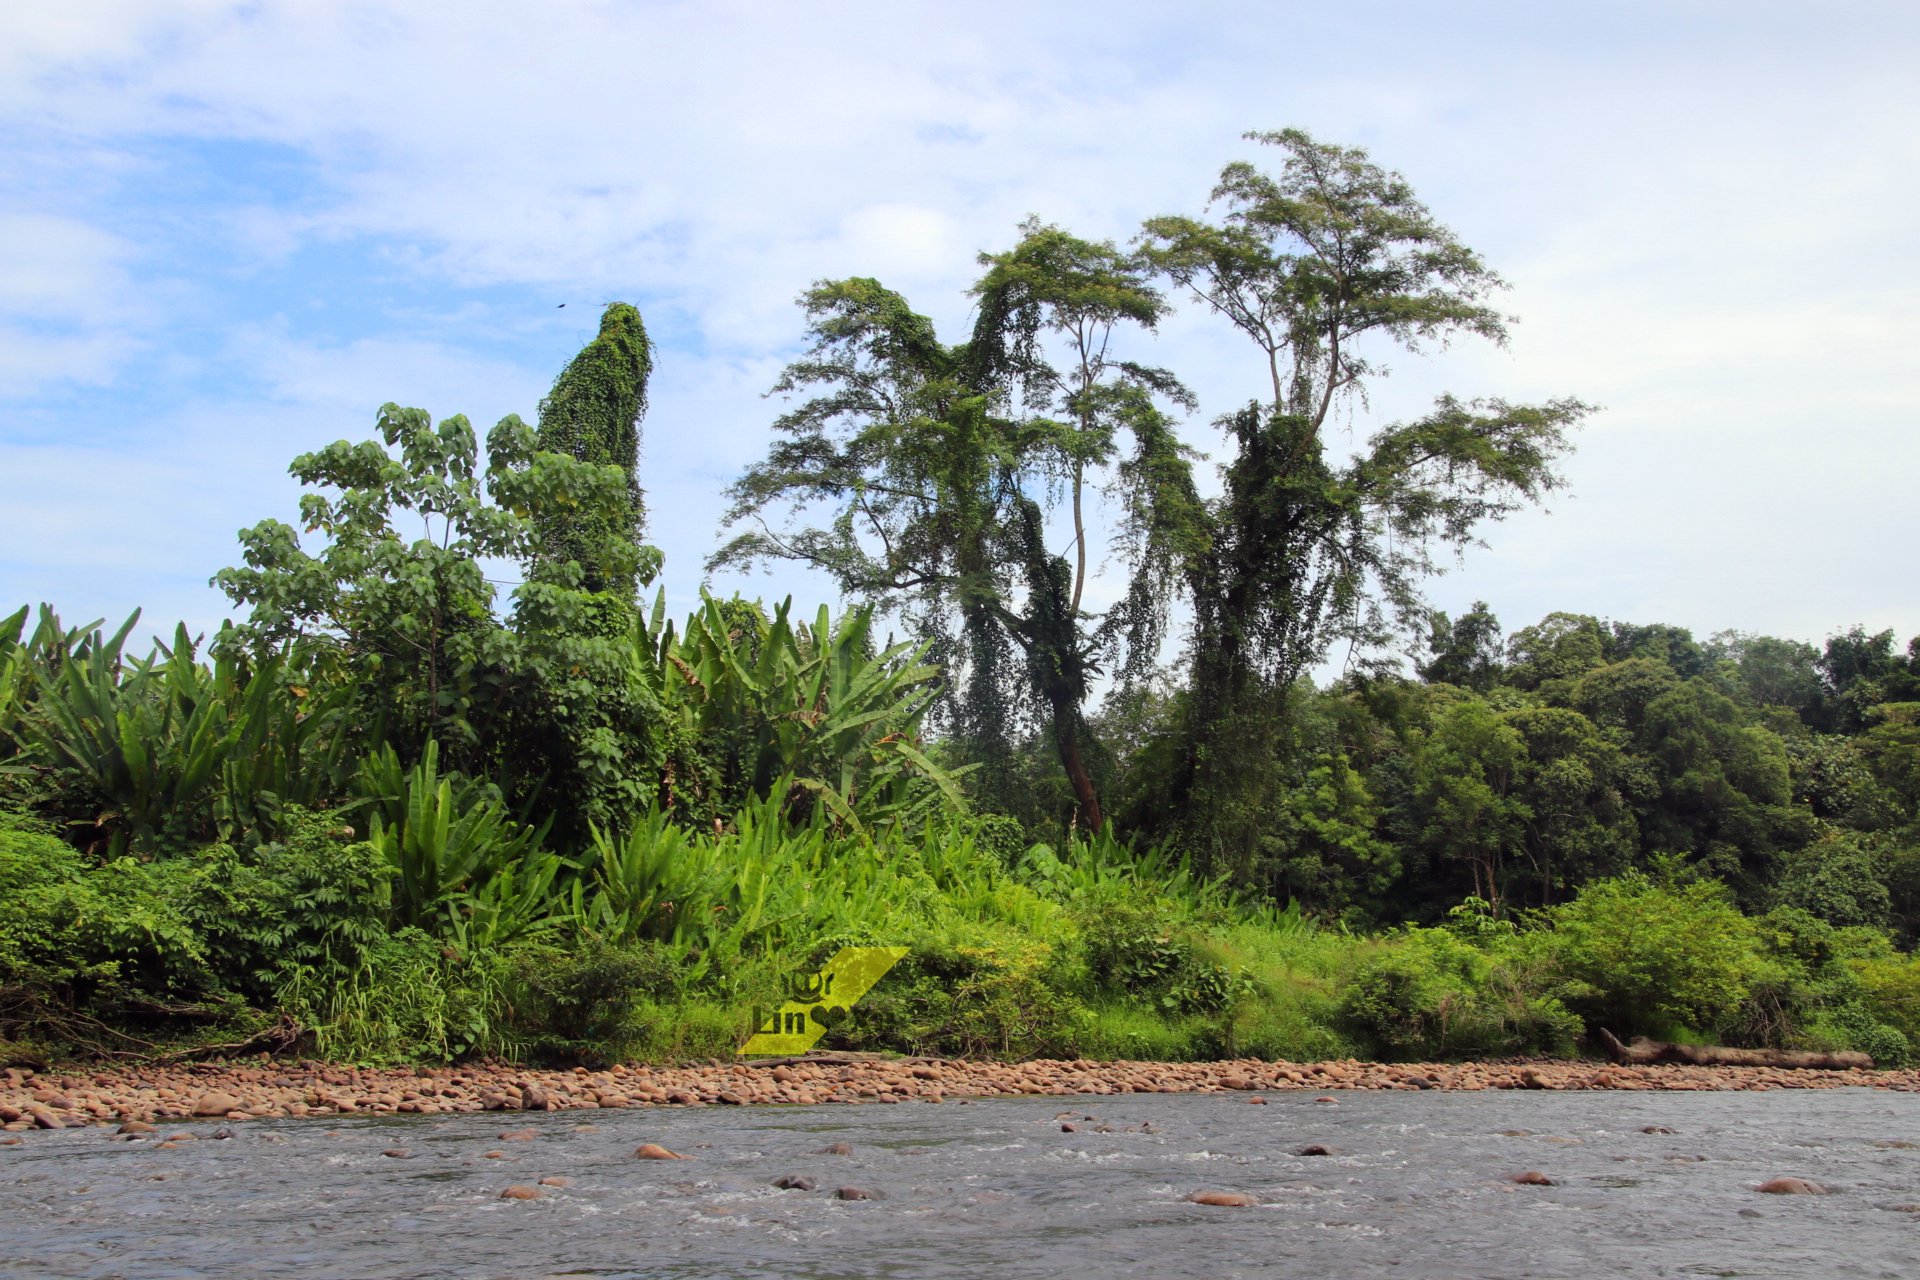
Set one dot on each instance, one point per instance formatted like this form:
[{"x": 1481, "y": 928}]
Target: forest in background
[{"x": 386, "y": 816}]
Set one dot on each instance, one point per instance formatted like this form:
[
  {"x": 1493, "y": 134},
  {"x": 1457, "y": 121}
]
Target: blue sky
[{"x": 229, "y": 232}]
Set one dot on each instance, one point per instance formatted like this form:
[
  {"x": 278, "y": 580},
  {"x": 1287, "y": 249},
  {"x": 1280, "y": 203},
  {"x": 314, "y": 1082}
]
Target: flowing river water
[{"x": 1415, "y": 1185}]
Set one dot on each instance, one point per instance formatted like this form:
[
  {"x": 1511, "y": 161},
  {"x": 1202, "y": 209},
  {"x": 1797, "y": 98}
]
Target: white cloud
[{"x": 65, "y": 301}]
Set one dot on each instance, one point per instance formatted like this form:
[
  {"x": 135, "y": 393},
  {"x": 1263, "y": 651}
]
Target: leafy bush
[
  {"x": 1890, "y": 991},
  {"x": 581, "y": 1002},
  {"x": 972, "y": 989},
  {"x": 412, "y": 998},
  {"x": 1643, "y": 956},
  {"x": 1431, "y": 994},
  {"x": 68, "y": 929},
  {"x": 312, "y": 900}
]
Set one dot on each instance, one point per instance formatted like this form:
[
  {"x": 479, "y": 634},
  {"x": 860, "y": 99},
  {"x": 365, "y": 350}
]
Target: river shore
[{"x": 239, "y": 1091}]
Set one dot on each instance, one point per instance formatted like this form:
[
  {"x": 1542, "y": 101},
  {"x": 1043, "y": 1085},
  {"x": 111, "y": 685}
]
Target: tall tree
[
  {"x": 592, "y": 415},
  {"x": 943, "y": 465},
  {"x": 1321, "y": 266}
]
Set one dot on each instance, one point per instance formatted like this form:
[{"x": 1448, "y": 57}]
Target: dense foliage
[{"x": 391, "y": 816}]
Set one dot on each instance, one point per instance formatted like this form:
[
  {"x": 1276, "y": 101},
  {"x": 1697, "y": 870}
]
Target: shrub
[
  {"x": 411, "y": 999},
  {"x": 1889, "y": 990},
  {"x": 1640, "y": 956},
  {"x": 1433, "y": 995},
  {"x": 969, "y": 990},
  {"x": 583, "y": 1002},
  {"x": 311, "y": 900},
  {"x": 67, "y": 929}
]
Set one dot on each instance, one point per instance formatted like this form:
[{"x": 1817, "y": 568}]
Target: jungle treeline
[{"x": 391, "y": 813}]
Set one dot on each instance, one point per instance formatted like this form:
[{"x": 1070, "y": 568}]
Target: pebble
[
  {"x": 792, "y": 1183},
  {"x": 652, "y": 1151},
  {"x": 837, "y": 1149},
  {"x": 136, "y": 1126},
  {"x": 1532, "y": 1178},
  {"x": 520, "y": 1191},
  {"x": 1315, "y": 1149},
  {"x": 216, "y": 1104},
  {"x": 855, "y": 1193},
  {"x": 556, "y": 1182},
  {"x": 520, "y": 1135},
  {"x": 398, "y": 1153},
  {"x": 1791, "y": 1187},
  {"x": 1230, "y": 1199}
]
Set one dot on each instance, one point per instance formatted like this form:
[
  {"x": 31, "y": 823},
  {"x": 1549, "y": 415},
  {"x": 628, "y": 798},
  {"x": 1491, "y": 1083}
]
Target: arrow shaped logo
[{"x": 823, "y": 998}]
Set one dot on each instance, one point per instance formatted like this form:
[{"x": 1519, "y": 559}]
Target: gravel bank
[{"x": 247, "y": 1090}]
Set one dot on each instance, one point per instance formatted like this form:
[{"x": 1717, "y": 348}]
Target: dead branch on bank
[{"x": 1643, "y": 1052}]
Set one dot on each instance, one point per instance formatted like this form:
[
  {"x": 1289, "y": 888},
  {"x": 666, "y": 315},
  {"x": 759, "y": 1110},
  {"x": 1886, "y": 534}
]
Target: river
[{"x": 1416, "y": 1185}]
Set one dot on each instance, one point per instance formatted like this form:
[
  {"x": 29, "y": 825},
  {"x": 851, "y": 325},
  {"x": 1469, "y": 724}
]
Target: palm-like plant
[
  {"x": 798, "y": 712},
  {"x": 176, "y": 749},
  {"x": 463, "y": 866}
]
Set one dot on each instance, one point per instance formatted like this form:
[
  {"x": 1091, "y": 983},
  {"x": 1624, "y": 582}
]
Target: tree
[
  {"x": 592, "y": 415},
  {"x": 1560, "y": 647},
  {"x": 1465, "y": 653},
  {"x": 1777, "y": 673},
  {"x": 1466, "y": 783},
  {"x": 1577, "y": 786},
  {"x": 1303, "y": 550},
  {"x": 1863, "y": 671},
  {"x": 538, "y": 701},
  {"x": 942, "y": 465},
  {"x": 1724, "y": 789}
]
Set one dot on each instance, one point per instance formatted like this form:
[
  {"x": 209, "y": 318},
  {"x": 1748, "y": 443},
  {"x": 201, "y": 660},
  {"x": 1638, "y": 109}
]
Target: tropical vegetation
[{"x": 387, "y": 815}]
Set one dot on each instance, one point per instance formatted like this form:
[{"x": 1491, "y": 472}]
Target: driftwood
[{"x": 1644, "y": 1051}]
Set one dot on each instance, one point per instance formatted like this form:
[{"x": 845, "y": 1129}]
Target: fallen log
[{"x": 1644, "y": 1052}]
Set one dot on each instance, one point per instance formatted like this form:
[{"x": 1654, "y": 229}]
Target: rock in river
[{"x": 1791, "y": 1187}]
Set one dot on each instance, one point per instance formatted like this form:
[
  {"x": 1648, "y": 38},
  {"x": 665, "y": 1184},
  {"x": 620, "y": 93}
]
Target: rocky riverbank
[{"x": 257, "y": 1088}]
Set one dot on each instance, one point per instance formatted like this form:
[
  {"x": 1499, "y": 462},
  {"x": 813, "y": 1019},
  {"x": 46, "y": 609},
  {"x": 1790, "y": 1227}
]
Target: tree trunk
[
  {"x": 1644, "y": 1051},
  {"x": 1066, "y": 733}
]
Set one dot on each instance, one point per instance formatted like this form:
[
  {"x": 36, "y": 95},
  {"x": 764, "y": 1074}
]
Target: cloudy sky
[{"x": 228, "y": 232}]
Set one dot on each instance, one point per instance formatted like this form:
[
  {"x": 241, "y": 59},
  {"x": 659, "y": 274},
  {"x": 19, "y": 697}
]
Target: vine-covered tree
[
  {"x": 943, "y": 466},
  {"x": 593, "y": 416},
  {"x": 1321, "y": 266}
]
